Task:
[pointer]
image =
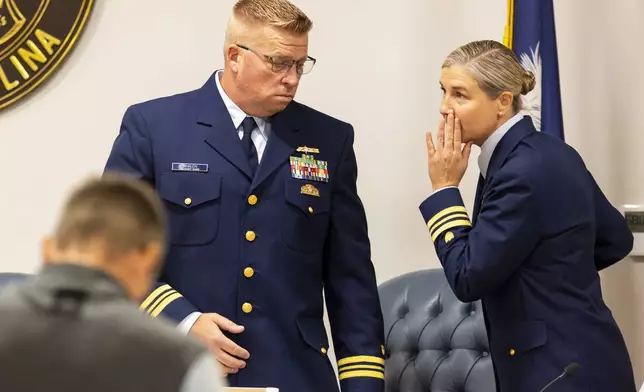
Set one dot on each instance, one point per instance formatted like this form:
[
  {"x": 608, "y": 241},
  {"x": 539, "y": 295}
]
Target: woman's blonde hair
[{"x": 495, "y": 68}]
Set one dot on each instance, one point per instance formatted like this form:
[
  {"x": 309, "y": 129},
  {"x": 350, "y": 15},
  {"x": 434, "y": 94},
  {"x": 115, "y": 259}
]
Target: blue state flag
[{"x": 530, "y": 33}]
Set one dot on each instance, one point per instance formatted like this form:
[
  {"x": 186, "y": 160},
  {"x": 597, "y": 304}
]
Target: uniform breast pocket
[
  {"x": 306, "y": 219},
  {"x": 192, "y": 201}
]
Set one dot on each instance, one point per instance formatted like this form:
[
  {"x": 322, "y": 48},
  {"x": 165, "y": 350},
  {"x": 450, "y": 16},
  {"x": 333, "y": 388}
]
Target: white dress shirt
[
  {"x": 488, "y": 147},
  {"x": 259, "y": 137}
]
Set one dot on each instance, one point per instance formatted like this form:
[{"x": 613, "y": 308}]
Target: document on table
[{"x": 251, "y": 390}]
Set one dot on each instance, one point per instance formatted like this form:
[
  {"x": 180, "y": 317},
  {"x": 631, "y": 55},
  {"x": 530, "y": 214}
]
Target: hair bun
[{"x": 528, "y": 82}]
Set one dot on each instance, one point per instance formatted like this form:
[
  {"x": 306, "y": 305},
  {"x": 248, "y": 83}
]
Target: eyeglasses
[{"x": 302, "y": 67}]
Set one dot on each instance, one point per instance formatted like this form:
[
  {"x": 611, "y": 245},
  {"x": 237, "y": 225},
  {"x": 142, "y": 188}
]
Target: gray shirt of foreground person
[{"x": 72, "y": 328}]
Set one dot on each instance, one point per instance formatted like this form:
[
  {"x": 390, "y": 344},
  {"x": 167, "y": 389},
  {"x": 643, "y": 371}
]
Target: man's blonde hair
[
  {"x": 124, "y": 212},
  {"x": 280, "y": 14}
]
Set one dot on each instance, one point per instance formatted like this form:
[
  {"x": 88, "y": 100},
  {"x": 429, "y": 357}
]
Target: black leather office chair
[
  {"x": 434, "y": 342},
  {"x": 7, "y": 278}
]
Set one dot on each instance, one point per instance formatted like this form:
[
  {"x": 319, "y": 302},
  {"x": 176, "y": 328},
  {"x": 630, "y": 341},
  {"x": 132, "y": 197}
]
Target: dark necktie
[
  {"x": 478, "y": 198},
  {"x": 247, "y": 143}
]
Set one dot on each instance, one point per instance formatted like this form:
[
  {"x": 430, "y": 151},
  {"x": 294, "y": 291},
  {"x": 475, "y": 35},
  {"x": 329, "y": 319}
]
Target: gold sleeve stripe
[
  {"x": 448, "y": 226},
  {"x": 354, "y": 367},
  {"x": 165, "y": 303},
  {"x": 361, "y": 358},
  {"x": 445, "y": 212},
  {"x": 154, "y": 296},
  {"x": 447, "y": 218},
  {"x": 160, "y": 299},
  {"x": 366, "y": 365},
  {"x": 362, "y": 373}
]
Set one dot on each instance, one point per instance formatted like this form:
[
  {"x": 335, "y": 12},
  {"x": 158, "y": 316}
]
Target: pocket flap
[
  {"x": 524, "y": 336},
  {"x": 313, "y": 333},
  {"x": 189, "y": 190},
  {"x": 309, "y": 196}
]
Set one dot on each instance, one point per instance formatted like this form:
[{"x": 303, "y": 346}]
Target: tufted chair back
[{"x": 434, "y": 342}]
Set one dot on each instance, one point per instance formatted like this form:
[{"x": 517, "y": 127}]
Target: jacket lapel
[
  {"x": 281, "y": 142},
  {"x": 223, "y": 137},
  {"x": 478, "y": 198},
  {"x": 506, "y": 145}
]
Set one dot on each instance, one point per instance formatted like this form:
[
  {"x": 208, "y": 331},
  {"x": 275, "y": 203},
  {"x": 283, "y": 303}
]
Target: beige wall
[{"x": 378, "y": 68}]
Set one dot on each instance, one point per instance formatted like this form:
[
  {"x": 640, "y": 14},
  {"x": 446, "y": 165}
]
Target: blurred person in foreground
[
  {"x": 265, "y": 219},
  {"x": 541, "y": 230},
  {"x": 75, "y": 325}
]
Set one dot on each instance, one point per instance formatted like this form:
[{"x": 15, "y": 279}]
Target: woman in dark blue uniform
[{"x": 540, "y": 232}]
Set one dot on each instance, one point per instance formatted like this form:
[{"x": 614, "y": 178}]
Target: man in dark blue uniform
[
  {"x": 541, "y": 230},
  {"x": 263, "y": 213}
]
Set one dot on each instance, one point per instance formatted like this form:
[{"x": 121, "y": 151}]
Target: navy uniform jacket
[
  {"x": 541, "y": 231},
  {"x": 260, "y": 250}
]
